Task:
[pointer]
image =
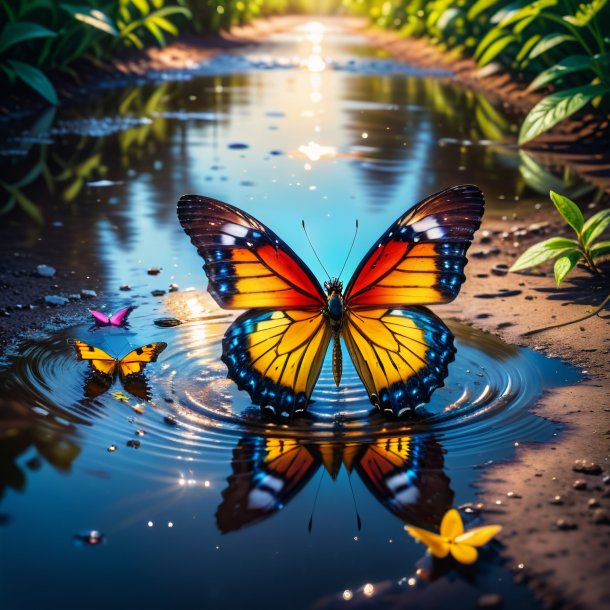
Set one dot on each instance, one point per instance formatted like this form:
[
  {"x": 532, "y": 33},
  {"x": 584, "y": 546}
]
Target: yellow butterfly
[
  {"x": 105, "y": 367},
  {"x": 453, "y": 539}
]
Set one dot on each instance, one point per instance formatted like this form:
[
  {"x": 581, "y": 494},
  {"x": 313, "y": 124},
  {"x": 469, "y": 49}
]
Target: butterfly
[
  {"x": 105, "y": 368},
  {"x": 405, "y": 473},
  {"x": 116, "y": 319},
  {"x": 276, "y": 349}
]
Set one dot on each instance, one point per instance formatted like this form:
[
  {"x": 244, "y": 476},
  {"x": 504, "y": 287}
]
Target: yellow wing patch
[
  {"x": 100, "y": 361},
  {"x": 135, "y": 361},
  {"x": 401, "y": 355}
]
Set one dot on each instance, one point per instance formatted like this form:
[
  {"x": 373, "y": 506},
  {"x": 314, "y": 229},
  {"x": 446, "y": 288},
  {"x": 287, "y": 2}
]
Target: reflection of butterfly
[
  {"x": 404, "y": 473},
  {"x": 276, "y": 349},
  {"x": 116, "y": 319},
  {"x": 105, "y": 368}
]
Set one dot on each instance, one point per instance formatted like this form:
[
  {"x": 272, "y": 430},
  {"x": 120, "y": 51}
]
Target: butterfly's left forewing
[
  {"x": 267, "y": 473},
  {"x": 401, "y": 354},
  {"x": 100, "y": 362},
  {"x": 277, "y": 356}
]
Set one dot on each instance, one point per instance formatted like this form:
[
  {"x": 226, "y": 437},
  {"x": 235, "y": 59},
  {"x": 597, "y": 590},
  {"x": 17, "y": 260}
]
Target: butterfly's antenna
[
  {"x": 314, "y": 250},
  {"x": 350, "y": 250},
  {"x": 315, "y": 501},
  {"x": 358, "y": 520}
]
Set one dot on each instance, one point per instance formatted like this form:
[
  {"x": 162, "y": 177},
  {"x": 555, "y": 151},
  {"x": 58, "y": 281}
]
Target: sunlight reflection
[{"x": 314, "y": 151}]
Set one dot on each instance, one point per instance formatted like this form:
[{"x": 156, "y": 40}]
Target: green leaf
[
  {"x": 585, "y": 13},
  {"x": 479, "y": 7},
  {"x": 525, "y": 49},
  {"x": 35, "y": 79},
  {"x": 529, "y": 10},
  {"x": 565, "y": 264},
  {"x": 595, "y": 226},
  {"x": 28, "y": 206},
  {"x": 601, "y": 249},
  {"x": 543, "y": 251},
  {"x": 556, "y": 107},
  {"x": 93, "y": 17},
  {"x": 155, "y": 31},
  {"x": 495, "y": 49},
  {"x": 548, "y": 42},
  {"x": 164, "y": 24},
  {"x": 569, "y": 211},
  {"x": 14, "y": 33},
  {"x": 488, "y": 39},
  {"x": 574, "y": 63}
]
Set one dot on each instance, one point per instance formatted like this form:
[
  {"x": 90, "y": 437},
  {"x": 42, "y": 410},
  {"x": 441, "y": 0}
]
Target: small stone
[
  {"x": 174, "y": 287},
  {"x": 111, "y": 449},
  {"x": 88, "y": 294},
  {"x": 565, "y": 525},
  {"x": 557, "y": 500},
  {"x": 45, "y": 271},
  {"x": 133, "y": 443},
  {"x": 514, "y": 495},
  {"x": 500, "y": 269},
  {"x": 55, "y": 300},
  {"x": 586, "y": 467},
  {"x": 601, "y": 516},
  {"x": 593, "y": 503},
  {"x": 154, "y": 270},
  {"x": 124, "y": 287},
  {"x": 139, "y": 408},
  {"x": 579, "y": 484},
  {"x": 606, "y": 479},
  {"x": 167, "y": 322},
  {"x": 157, "y": 293},
  {"x": 74, "y": 297},
  {"x": 490, "y": 601},
  {"x": 171, "y": 420},
  {"x": 140, "y": 432},
  {"x": 91, "y": 538}
]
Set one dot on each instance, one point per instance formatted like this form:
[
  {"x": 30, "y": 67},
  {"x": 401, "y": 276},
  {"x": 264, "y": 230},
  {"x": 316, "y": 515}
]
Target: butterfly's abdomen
[{"x": 337, "y": 359}]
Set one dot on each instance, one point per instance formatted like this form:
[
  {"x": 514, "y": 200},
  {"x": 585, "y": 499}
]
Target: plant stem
[{"x": 529, "y": 333}]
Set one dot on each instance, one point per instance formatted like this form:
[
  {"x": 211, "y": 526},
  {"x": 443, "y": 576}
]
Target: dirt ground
[{"x": 557, "y": 520}]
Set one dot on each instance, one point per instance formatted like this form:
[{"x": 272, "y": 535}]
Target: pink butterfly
[{"x": 116, "y": 319}]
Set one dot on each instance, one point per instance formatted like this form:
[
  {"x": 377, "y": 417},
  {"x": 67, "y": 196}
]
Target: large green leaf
[
  {"x": 569, "y": 211},
  {"x": 550, "y": 41},
  {"x": 14, "y": 33},
  {"x": 574, "y": 63},
  {"x": 595, "y": 226},
  {"x": 35, "y": 79},
  {"x": 565, "y": 264},
  {"x": 543, "y": 251},
  {"x": 556, "y": 107}
]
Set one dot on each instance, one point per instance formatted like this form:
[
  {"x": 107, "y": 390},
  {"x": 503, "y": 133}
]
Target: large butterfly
[
  {"x": 404, "y": 473},
  {"x": 105, "y": 368},
  {"x": 275, "y": 350}
]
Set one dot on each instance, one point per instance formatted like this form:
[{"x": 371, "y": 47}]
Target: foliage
[
  {"x": 556, "y": 45},
  {"x": 569, "y": 252}
]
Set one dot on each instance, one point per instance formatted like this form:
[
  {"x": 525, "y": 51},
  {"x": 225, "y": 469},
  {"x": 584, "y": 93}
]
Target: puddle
[{"x": 147, "y": 487}]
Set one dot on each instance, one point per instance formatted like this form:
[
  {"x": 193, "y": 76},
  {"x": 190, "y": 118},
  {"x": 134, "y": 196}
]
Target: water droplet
[
  {"x": 150, "y": 524},
  {"x": 347, "y": 595}
]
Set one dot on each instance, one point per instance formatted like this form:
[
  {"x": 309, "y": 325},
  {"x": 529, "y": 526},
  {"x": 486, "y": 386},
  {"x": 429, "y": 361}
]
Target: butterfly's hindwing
[
  {"x": 420, "y": 259},
  {"x": 277, "y": 356},
  {"x": 401, "y": 355},
  {"x": 248, "y": 266},
  {"x": 267, "y": 473}
]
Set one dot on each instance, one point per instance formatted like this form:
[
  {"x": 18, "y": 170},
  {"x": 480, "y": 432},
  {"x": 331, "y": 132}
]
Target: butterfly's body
[{"x": 276, "y": 349}]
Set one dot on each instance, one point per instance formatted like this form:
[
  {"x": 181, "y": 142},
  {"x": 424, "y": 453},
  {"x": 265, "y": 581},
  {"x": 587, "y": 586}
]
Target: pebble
[
  {"x": 490, "y": 601},
  {"x": 55, "y": 300},
  {"x": 557, "y": 500},
  {"x": 157, "y": 293},
  {"x": 593, "y": 503},
  {"x": 124, "y": 287},
  {"x": 174, "y": 287},
  {"x": 74, "y": 297},
  {"x": 88, "y": 294},
  {"x": 111, "y": 449},
  {"x": 45, "y": 271},
  {"x": 167, "y": 322},
  {"x": 500, "y": 269},
  {"x": 485, "y": 253},
  {"x": 586, "y": 467},
  {"x": 140, "y": 432},
  {"x": 154, "y": 270},
  {"x": 171, "y": 420},
  {"x": 579, "y": 484},
  {"x": 606, "y": 480},
  {"x": 497, "y": 295},
  {"x": 601, "y": 516},
  {"x": 91, "y": 538},
  {"x": 565, "y": 525},
  {"x": 133, "y": 443}
]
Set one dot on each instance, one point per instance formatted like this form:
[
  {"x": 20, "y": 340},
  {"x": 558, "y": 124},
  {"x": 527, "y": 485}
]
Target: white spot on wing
[{"x": 429, "y": 227}]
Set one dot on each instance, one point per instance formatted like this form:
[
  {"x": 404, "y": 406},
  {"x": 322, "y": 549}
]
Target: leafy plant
[{"x": 569, "y": 252}]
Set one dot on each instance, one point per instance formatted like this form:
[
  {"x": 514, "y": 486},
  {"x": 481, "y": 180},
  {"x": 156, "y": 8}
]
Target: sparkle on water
[{"x": 316, "y": 126}]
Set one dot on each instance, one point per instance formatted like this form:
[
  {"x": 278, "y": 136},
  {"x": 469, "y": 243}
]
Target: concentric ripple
[{"x": 197, "y": 414}]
